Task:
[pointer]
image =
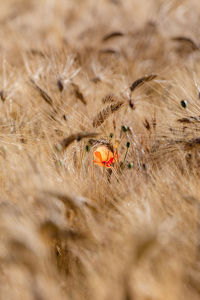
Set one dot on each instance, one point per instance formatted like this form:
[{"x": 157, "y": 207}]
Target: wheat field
[{"x": 76, "y": 75}]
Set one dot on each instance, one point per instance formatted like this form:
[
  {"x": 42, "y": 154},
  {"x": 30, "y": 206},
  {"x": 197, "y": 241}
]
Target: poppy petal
[{"x": 97, "y": 156}]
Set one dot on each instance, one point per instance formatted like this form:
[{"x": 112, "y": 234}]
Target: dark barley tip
[
  {"x": 65, "y": 117},
  {"x": 184, "y": 103},
  {"x": 131, "y": 104},
  {"x": 96, "y": 79},
  {"x": 144, "y": 167},
  {"x": 60, "y": 85},
  {"x": 2, "y": 96},
  {"x": 146, "y": 124},
  {"x": 128, "y": 144},
  {"x": 111, "y": 135}
]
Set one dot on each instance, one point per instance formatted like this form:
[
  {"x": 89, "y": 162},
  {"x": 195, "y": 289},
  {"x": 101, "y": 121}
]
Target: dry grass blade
[
  {"x": 193, "y": 282},
  {"x": 72, "y": 202},
  {"x": 186, "y": 144},
  {"x": 73, "y": 235},
  {"x": 190, "y": 119},
  {"x": 106, "y": 112},
  {"x": 95, "y": 142},
  {"x": 67, "y": 200},
  {"x": 109, "y": 51},
  {"x": 186, "y": 40},
  {"x": 43, "y": 94},
  {"x": 75, "y": 137},
  {"x": 185, "y": 120},
  {"x": 112, "y": 35},
  {"x": 36, "y": 52},
  {"x": 78, "y": 93},
  {"x": 21, "y": 253},
  {"x": 50, "y": 231},
  {"x": 145, "y": 246},
  {"x": 139, "y": 82}
]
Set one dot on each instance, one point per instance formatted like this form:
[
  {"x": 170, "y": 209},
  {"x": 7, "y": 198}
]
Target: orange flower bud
[{"x": 104, "y": 157}]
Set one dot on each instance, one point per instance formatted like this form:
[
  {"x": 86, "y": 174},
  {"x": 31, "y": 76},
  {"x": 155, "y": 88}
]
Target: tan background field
[{"x": 76, "y": 75}]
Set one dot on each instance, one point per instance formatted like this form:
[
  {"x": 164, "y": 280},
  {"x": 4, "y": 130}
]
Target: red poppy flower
[{"x": 104, "y": 157}]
